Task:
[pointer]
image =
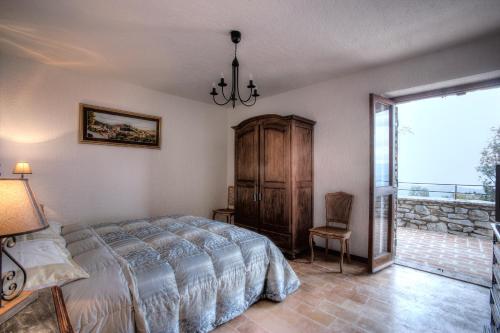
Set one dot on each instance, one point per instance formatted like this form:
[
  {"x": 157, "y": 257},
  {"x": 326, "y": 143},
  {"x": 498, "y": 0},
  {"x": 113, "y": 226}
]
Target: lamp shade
[
  {"x": 19, "y": 211},
  {"x": 22, "y": 168}
]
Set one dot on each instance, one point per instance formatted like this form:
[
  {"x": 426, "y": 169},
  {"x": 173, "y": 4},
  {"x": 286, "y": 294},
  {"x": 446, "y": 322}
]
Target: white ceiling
[{"x": 181, "y": 46}]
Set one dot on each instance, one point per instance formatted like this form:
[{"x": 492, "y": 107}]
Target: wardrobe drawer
[
  {"x": 281, "y": 240},
  {"x": 246, "y": 227}
]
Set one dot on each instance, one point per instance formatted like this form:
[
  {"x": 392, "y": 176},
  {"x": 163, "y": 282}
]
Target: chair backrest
[
  {"x": 230, "y": 197},
  {"x": 338, "y": 208}
]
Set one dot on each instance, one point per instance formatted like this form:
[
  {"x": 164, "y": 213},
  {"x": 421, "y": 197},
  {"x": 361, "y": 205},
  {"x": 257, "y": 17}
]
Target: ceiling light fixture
[{"x": 235, "y": 89}]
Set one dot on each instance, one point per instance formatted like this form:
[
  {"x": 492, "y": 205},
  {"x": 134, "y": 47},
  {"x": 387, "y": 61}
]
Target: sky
[{"x": 441, "y": 139}]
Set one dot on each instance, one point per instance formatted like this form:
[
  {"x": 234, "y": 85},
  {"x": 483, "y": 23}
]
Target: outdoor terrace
[{"x": 446, "y": 236}]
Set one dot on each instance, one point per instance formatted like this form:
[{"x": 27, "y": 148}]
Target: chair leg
[
  {"x": 326, "y": 249},
  {"x": 342, "y": 255},
  {"x": 348, "y": 251},
  {"x": 311, "y": 245},
  {"x": 228, "y": 219},
  {"x": 213, "y": 215}
]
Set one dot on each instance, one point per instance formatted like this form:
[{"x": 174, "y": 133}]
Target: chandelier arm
[
  {"x": 239, "y": 96},
  {"x": 221, "y": 104},
  {"x": 246, "y": 100},
  {"x": 254, "y": 101},
  {"x": 224, "y": 95}
]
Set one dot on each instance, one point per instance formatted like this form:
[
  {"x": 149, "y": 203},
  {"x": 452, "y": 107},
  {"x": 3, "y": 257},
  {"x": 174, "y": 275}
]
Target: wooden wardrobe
[{"x": 274, "y": 179}]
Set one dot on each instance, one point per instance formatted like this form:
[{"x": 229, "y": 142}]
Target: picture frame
[{"x": 107, "y": 126}]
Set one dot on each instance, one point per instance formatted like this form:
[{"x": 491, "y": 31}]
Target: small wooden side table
[
  {"x": 46, "y": 314},
  {"x": 9, "y": 309},
  {"x": 228, "y": 213}
]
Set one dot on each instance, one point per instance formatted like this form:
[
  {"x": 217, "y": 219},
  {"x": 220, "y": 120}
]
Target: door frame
[
  {"x": 381, "y": 262},
  {"x": 440, "y": 92}
]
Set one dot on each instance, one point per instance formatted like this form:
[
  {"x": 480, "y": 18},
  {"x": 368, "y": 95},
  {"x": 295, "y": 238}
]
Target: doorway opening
[{"x": 447, "y": 147}]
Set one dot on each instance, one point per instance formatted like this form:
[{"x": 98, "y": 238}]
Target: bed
[{"x": 170, "y": 274}]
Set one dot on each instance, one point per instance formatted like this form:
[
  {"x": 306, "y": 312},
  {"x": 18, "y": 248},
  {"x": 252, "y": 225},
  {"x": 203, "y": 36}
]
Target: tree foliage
[{"x": 490, "y": 157}]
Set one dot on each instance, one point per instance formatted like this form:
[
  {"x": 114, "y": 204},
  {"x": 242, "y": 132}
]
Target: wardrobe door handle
[
  {"x": 254, "y": 196},
  {"x": 260, "y": 196}
]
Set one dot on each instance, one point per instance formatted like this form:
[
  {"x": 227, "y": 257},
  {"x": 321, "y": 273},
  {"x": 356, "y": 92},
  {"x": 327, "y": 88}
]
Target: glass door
[{"x": 383, "y": 188}]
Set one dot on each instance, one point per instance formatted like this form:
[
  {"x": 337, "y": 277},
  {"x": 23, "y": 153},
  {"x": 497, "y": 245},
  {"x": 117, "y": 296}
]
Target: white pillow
[
  {"x": 53, "y": 232},
  {"x": 46, "y": 263}
]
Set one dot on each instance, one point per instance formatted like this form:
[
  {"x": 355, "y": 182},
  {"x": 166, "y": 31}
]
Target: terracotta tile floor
[
  {"x": 464, "y": 258},
  {"x": 397, "y": 299}
]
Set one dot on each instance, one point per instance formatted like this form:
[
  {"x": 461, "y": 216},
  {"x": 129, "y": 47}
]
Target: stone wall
[{"x": 459, "y": 217}]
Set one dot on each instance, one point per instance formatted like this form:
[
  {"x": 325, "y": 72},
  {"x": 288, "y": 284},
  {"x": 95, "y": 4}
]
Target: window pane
[
  {"x": 381, "y": 224},
  {"x": 382, "y": 145}
]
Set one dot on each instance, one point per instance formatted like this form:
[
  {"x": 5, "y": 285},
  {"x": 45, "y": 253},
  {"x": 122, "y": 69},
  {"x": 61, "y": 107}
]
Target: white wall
[
  {"x": 341, "y": 109},
  {"x": 94, "y": 183}
]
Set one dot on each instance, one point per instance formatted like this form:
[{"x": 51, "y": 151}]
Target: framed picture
[{"x": 100, "y": 125}]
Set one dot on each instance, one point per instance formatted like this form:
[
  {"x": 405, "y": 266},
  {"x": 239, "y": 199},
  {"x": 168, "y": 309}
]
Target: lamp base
[
  {"x": 10, "y": 286},
  {"x": 11, "y": 308}
]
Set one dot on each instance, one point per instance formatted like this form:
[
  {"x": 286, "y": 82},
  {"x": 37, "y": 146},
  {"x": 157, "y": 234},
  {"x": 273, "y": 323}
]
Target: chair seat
[
  {"x": 227, "y": 211},
  {"x": 331, "y": 232}
]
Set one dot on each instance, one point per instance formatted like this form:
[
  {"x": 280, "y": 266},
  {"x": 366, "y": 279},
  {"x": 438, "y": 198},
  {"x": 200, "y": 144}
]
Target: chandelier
[{"x": 235, "y": 89}]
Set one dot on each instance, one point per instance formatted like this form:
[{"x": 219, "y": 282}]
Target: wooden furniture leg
[
  {"x": 311, "y": 245},
  {"x": 326, "y": 248},
  {"x": 213, "y": 215},
  {"x": 61, "y": 312},
  {"x": 342, "y": 255},
  {"x": 348, "y": 251}
]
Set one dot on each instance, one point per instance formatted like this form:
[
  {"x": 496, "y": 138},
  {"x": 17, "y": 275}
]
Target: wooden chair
[
  {"x": 338, "y": 212},
  {"x": 228, "y": 212}
]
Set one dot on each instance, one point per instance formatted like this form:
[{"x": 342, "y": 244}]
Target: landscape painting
[{"x": 116, "y": 127}]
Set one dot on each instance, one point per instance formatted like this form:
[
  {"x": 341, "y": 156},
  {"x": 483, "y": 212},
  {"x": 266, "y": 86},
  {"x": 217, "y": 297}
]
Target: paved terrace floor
[{"x": 464, "y": 258}]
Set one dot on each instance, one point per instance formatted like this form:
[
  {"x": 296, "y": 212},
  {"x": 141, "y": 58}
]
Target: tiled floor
[
  {"x": 465, "y": 258},
  {"x": 398, "y": 299}
]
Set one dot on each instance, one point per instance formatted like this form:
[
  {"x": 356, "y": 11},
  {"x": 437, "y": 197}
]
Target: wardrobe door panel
[
  {"x": 274, "y": 174},
  {"x": 273, "y": 205},
  {"x": 247, "y": 155},
  {"x": 247, "y": 212},
  {"x": 274, "y": 154},
  {"x": 247, "y": 175}
]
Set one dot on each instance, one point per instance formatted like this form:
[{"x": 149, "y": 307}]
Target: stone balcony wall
[{"x": 459, "y": 217}]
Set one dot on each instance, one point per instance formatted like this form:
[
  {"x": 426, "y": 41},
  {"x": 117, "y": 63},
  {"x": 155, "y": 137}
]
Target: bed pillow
[
  {"x": 46, "y": 263},
  {"x": 53, "y": 232}
]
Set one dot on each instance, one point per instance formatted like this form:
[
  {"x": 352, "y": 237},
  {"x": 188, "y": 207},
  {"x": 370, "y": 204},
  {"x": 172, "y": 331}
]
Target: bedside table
[
  {"x": 39, "y": 316},
  {"x": 11, "y": 308}
]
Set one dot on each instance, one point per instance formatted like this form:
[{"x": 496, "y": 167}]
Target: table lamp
[
  {"x": 19, "y": 214},
  {"x": 22, "y": 168}
]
